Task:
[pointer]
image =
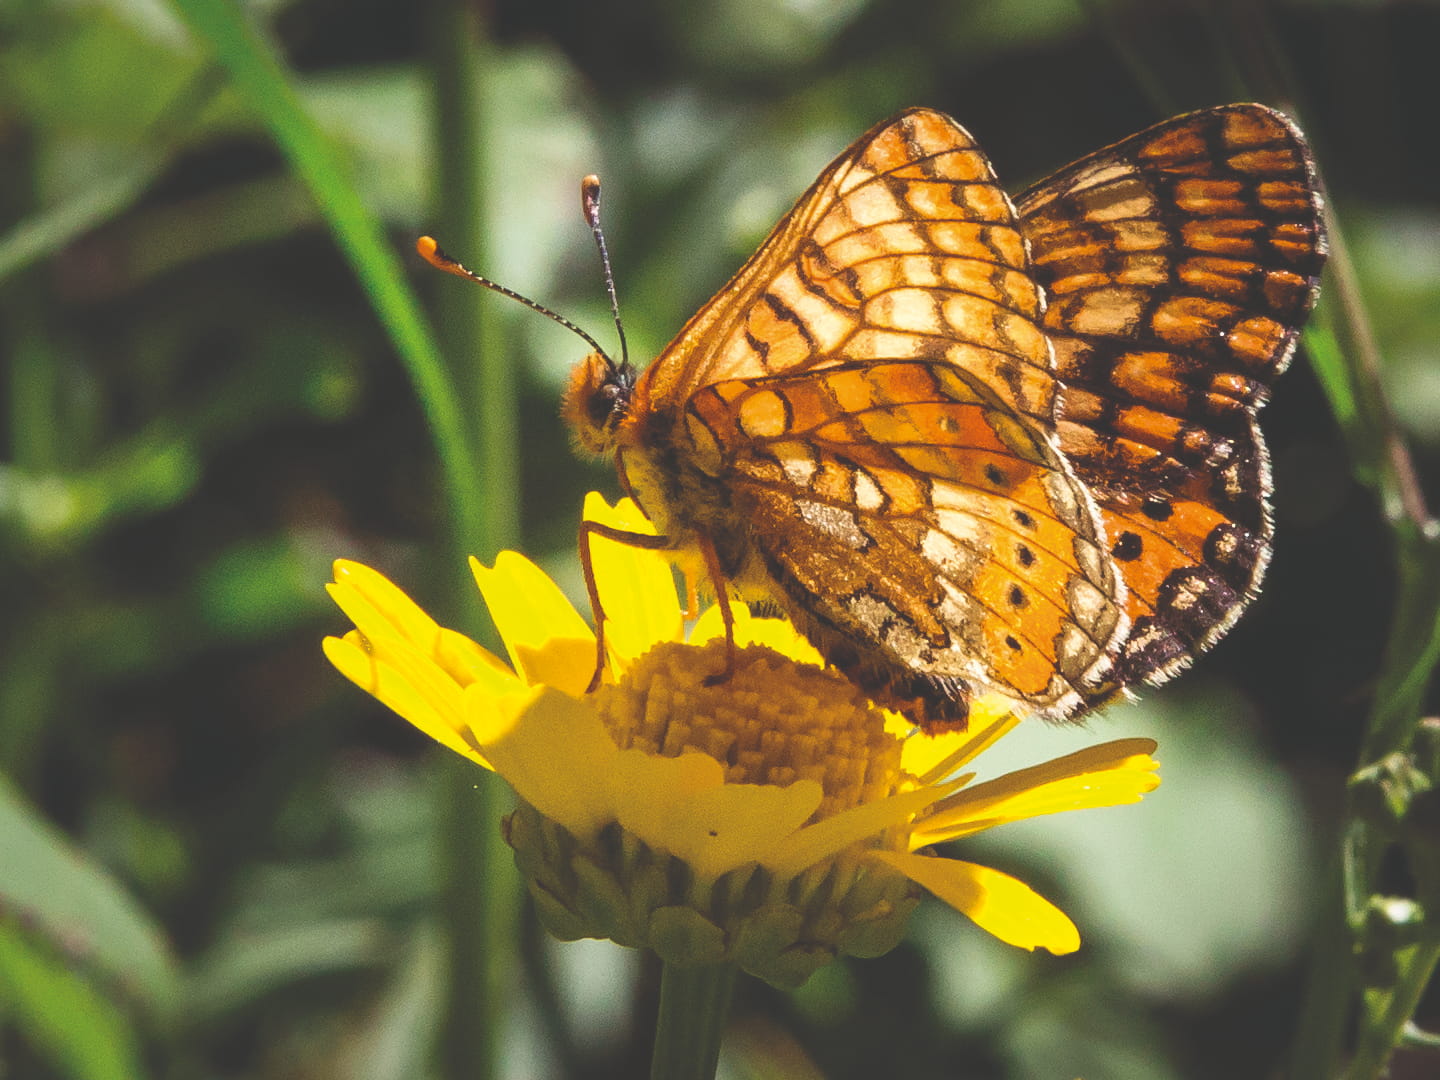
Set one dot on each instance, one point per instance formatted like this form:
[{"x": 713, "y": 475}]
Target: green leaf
[
  {"x": 79, "y": 70},
  {"x": 49, "y": 230},
  {"x": 250, "y": 965},
  {"x": 60, "y": 895},
  {"x": 63, "y": 1017}
]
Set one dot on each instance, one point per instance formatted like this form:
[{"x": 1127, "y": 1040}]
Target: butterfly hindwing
[
  {"x": 1179, "y": 265},
  {"x": 930, "y": 542}
]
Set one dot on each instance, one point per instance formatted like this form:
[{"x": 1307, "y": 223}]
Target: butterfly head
[{"x": 597, "y": 398}]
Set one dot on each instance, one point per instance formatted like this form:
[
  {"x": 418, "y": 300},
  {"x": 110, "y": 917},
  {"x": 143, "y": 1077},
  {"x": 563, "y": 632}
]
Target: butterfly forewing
[
  {"x": 905, "y": 247},
  {"x": 1180, "y": 265},
  {"x": 861, "y": 423}
]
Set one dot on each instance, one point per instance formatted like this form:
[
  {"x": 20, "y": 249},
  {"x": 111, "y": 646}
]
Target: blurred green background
[{"x": 218, "y": 859}]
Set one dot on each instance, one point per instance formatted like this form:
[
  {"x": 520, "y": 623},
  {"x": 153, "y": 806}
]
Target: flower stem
[
  {"x": 694, "y": 1006},
  {"x": 477, "y": 894}
]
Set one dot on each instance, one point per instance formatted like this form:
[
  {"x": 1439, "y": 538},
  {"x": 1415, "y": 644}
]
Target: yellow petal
[
  {"x": 932, "y": 757},
  {"x": 422, "y": 677},
  {"x": 929, "y": 756},
  {"x": 381, "y": 611},
  {"x": 999, "y": 904},
  {"x": 644, "y": 787},
  {"x": 468, "y": 661},
  {"x": 546, "y": 638},
  {"x": 636, "y": 585},
  {"x": 832, "y": 835},
  {"x": 376, "y": 605},
  {"x": 711, "y": 627},
  {"x": 777, "y": 634},
  {"x": 422, "y": 701},
  {"x": 551, "y": 748},
  {"x": 720, "y": 828},
  {"x": 1110, "y": 774}
]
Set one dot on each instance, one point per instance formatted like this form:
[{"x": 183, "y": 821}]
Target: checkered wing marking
[
  {"x": 1179, "y": 265},
  {"x": 904, "y": 248}
]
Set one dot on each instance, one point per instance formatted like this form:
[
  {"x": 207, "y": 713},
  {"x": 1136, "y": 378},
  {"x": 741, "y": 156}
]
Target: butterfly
[{"x": 973, "y": 445}]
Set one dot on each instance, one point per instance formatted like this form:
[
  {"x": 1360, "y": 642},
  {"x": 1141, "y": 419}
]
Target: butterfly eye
[
  {"x": 595, "y": 399},
  {"x": 603, "y": 404}
]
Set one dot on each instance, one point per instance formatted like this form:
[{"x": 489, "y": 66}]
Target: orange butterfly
[{"x": 973, "y": 448}]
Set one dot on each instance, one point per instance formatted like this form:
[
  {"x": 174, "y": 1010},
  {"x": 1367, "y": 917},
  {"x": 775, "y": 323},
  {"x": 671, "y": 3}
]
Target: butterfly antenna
[
  {"x": 429, "y": 250},
  {"x": 590, "y": 205}
]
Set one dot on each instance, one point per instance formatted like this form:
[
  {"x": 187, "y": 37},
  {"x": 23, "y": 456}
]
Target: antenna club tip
[
  {"x": 430, "y": 251},
  {"x": 590, "y": 197}
]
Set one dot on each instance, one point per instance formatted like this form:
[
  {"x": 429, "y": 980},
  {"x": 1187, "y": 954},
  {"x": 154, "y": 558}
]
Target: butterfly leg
[
  {"x": 727, "y": 617},
  {"x": 588, "y": 529}
]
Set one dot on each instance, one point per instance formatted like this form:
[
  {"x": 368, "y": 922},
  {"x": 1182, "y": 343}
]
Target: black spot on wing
[
  {"x": 1157, "y": 509},
  {"x": 1128, "y": 546}
]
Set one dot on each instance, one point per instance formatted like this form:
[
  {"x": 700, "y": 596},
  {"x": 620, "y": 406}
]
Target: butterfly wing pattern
[
  {"x": 862, "y": 424},
  {"x": 970, "y": 448},
  {"x": 1179, "y": 266}
]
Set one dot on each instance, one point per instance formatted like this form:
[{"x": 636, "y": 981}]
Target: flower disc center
[{"x": 772, "y": 722}]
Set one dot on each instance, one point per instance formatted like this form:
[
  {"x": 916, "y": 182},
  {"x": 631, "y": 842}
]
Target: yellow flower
[{"x": 774, "y": 819}]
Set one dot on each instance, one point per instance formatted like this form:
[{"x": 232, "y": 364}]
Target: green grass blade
[
  {"x": 258, "y": 76},
  {"x": 1328, "y": 361}
]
